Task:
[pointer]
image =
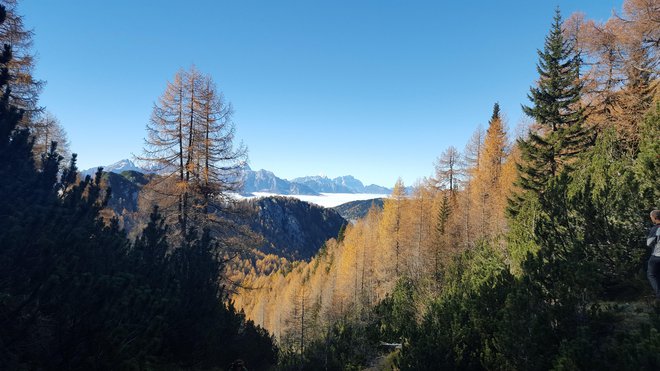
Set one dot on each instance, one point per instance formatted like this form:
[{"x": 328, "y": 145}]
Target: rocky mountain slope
[
  {"x": 266, "y": 181},
  {"x": 290, "y": 228}
]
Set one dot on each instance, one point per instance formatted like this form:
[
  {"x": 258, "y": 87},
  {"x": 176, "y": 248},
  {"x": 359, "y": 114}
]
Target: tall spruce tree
[{"x": 560, "y": 134}]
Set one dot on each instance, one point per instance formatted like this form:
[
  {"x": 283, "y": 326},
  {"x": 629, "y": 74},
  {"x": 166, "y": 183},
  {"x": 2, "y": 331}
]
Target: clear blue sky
[{"x": 376, "y": 89}]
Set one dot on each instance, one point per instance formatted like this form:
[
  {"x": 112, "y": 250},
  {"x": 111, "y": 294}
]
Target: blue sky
[{"x": 376, "y": 89}]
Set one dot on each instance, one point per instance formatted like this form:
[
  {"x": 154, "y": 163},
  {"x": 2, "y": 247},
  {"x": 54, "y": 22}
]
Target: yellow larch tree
[
  {"x": 470, "y": 202},
  {"x": 392, "y": 230},
  {"x": 449, "y": 171},
  {"x": 487, "y": 180},
  {"x": 421, "y": 227},
  {"x": 620, "y": 66}
]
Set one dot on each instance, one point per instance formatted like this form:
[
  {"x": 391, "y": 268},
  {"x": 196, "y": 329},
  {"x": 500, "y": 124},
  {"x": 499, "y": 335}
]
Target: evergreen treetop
[
  {"x": 555, "y": 98},
  {"x": 496, "y": 112},
  {"x": 559, "y": 134}
]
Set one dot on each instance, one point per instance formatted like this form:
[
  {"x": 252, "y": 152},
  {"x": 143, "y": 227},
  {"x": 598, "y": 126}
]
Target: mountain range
[
  {"x": 267, "y": 182},
  {"x": 342, "y": 184}
]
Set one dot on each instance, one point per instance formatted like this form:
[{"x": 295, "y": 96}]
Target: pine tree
[
  {"x": 560, "y": 135},
  {"x": 555, "y": 142},
  {"x": 150, "y": 248},
  {"x": 647, "y": 168},
  {"x": 441, "y": 229}
]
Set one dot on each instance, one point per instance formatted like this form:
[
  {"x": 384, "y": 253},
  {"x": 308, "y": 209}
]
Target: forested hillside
[
  {"x": 75, "y": 292},
  {"x": 522, "y": 252},
  {"x": 292, "y": 228}
]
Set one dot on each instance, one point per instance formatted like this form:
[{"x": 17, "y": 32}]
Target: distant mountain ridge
[
  {"x": 117, "y": 168},
  {"x": 326, "y": 185},
  {"x": 267, "y": 182},
  {"x": 342, "y": 184},
  {"x": 354, "y": 210}
]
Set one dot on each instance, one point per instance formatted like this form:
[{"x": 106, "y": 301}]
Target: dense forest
[{"x": 524, "y": 251}]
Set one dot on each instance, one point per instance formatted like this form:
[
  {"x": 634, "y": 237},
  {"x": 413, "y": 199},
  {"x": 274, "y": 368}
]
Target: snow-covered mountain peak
[
  {"x": 117, "y": 167},
  {"x": 123, "y": 165}
]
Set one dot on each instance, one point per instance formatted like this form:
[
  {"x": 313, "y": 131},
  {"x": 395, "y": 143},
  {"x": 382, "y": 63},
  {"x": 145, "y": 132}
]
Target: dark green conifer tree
[
  {"x": 560, "y": 135},
  {"x": 441, "y": 228},
  {"x": 647, "y": 166}
]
